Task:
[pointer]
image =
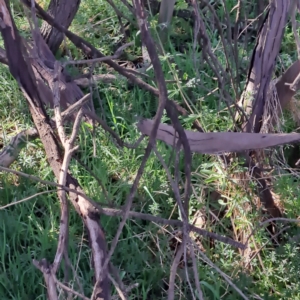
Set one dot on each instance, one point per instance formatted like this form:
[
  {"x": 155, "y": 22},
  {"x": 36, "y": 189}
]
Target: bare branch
[
  {"x": 45, "y": 268},
  {"x": 26, "y": 199},
  {"x": 147, "y": 40},
  {"x": 117, "y": 54}
]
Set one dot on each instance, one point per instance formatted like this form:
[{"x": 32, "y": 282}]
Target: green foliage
[{"x": 145, "y": 251}]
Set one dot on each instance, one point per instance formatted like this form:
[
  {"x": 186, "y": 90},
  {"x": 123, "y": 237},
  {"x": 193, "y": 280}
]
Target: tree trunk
[
  {"x": 64, "y": 12},
  {"x": 262, "y": 64},
  {"x": 255, "y": 94}
]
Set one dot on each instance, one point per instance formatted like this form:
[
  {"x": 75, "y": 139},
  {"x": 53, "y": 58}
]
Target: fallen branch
[{"x": 219, "y": 142}]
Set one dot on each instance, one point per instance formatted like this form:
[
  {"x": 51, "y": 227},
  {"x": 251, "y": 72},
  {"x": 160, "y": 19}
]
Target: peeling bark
[{"x": 217, "y": 142}]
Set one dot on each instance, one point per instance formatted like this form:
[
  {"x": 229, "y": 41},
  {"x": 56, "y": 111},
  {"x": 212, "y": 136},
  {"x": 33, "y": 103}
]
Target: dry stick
[
  {"x": 152, "y": 139},
  {"x": 174, "y": 185},
  {"x": 68, "y": 144},
  {"x": 120, "y": 292},
  {"x": 173, "y": 272},
  {"x": 185, "y": 237},
  {"x": 69, "y": 290},
  {"x": 101, "y": 59},
  {"x": 113, "y": 212},
  {"x": 90, "y": 50},
  {"x": 26, "y": 199},
  {"x": 69, "y": 150}
]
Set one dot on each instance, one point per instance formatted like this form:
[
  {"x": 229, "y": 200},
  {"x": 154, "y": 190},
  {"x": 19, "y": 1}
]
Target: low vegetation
[{"x": 224, "y": 197}]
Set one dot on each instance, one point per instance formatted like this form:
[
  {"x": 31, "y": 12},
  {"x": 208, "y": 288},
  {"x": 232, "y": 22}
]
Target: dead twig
[
  {"x": 173, "y": 272},
  {"x": 117, "y": 54},
  {"x": 162, "y": 102},
  {"x": 26, "y": 199},
  {"x": 68, "y": 144},
  {"x": 69, "y": 290},
  {"x": 23, "y": 73},
  {"x": 113, "y": 212}
]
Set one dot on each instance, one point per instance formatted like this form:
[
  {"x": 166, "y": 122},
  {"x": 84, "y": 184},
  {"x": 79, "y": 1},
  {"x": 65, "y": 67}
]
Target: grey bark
[{"x": 64, "y": 12}]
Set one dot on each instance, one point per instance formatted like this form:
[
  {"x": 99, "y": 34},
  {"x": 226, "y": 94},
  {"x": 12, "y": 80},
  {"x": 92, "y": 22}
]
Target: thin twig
[
  {"x": 163, "y": 95},
  {"x": 119, "y": 212},
  {"x": 78, "y": 104},
  {"x": 120, "y": 292},
  {"x": 68, "y": 145},
  {"x": 101, "y": 59},
  {"x": 173, "y": 272},
  {"x": 69, "y": 290},
  {"x": 118, "y": 12},
  {"x": 26, "y": 199}
]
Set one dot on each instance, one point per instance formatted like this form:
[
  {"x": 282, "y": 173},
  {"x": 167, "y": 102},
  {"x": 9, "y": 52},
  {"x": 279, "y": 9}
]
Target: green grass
[{"x": 145, "y": 251}]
